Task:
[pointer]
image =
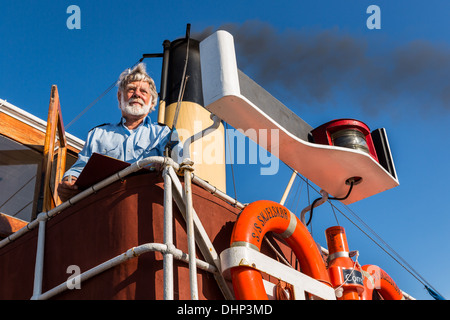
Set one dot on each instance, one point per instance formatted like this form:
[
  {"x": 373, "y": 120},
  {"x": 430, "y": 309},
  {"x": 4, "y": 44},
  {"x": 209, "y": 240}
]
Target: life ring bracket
[{"x": 243, "y": 256}]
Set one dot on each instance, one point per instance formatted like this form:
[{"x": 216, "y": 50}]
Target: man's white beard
[{"x": 134, "y": 110}]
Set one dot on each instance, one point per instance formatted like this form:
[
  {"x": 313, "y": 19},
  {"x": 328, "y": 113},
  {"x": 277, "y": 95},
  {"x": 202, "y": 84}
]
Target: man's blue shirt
[{"x": 117, "y": 141}]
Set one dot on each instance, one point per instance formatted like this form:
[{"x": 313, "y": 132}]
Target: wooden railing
[{"x": 54, "y": 124}]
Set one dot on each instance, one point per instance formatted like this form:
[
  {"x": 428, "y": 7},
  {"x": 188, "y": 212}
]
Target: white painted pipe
[
  {"x": 407, "y": 296},
  {"x": 129, "y": 254},
  {"x": 187, "y": 167},
  {"x": 288, "y": 188},
  {"x": 168, "y": 236},
  {"x": 39, "y": 264},
  {"x": 216, "y": 192}
]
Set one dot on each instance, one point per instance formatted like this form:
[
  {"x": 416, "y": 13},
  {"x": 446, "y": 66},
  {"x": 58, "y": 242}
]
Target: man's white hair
[{"x": 138, "y": 73}]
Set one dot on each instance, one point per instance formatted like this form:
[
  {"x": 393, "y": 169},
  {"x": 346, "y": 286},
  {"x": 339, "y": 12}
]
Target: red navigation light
[{"x": 346, "y": 133}]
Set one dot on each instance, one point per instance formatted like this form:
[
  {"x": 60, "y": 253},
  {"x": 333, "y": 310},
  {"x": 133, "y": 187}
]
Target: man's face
[{"x": 136, "y": 99}]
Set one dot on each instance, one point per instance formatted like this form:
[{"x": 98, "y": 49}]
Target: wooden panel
[
  {"x": 20, "y": 132},
  {"x": 24, "y": 133},
  {"x": 9, "y": 225}
]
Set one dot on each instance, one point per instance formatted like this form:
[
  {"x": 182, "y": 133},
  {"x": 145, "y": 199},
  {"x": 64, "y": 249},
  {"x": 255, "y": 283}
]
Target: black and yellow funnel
[{"x": 181, "y": 87}]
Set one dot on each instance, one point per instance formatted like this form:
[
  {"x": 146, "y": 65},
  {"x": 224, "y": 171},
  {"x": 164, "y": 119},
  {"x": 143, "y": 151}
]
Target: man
[{"x": 130, "y": 140}]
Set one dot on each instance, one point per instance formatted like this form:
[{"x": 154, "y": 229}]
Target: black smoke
[{"x": 319, "y": 66}]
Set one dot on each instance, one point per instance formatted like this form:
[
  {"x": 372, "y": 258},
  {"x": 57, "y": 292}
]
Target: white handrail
[
  {"x": 117, "y": 176},
  {"x": 169, "y": 252},
  {"x": 216, "y": 192},
  {"x": 43, "y": 217},
  {"x": 129, "y": 254}
]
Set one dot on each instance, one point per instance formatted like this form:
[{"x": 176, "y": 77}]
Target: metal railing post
[
  {"x": 202, "y": 239},
  {"x": 39, "y": 264},
  {"x": 187, "y": 169},
  {"x": 168, "y": 236}
]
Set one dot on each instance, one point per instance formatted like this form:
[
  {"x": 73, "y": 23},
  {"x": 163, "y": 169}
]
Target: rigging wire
[
  {"x": 393, "y": 254},
  {"x": 91, "y": 105},
  {"x": 399, "y": 259},
  {"x": 15, "y": 193},
  {"x": 23, "y": 208},
  {"x": 299, "y": 191},
  {"x": 98, "y": 98},
  {"x": 334, "y": 213}
]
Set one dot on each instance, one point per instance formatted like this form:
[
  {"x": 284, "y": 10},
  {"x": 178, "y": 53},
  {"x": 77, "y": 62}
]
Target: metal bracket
[{"x": 243, "y": 256}]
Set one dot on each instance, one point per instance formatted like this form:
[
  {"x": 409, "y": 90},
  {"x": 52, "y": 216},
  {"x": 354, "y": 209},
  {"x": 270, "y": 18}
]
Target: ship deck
[{"x": 126, "y": 214}]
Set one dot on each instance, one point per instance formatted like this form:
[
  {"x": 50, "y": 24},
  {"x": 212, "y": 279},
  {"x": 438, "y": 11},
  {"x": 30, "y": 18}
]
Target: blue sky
[{"x": 403, "y": 85}]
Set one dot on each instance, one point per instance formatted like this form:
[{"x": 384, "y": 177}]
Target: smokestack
[
  {"x": 314, "y": 67},
  {"x": 208, "y": 153}
]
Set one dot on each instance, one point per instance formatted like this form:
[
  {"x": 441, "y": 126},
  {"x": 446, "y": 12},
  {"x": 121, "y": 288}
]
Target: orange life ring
[
  {"x": 254, "y": 222},
  {"x": 377, "y": 279}
]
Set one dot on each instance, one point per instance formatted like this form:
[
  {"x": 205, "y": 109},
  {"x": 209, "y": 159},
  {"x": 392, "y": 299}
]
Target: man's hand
[{"x": 67, "y": 188}]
